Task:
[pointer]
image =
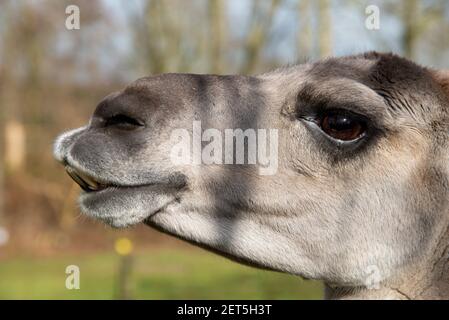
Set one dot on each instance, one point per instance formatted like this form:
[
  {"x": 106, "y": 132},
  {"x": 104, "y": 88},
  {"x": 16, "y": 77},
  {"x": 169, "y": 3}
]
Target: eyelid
[
  {"x": 315, "y": 111},
  {"x": 359, "y": 97},
  {"x": 342, "y": 111},
  {"x": 318, "y": 115}
]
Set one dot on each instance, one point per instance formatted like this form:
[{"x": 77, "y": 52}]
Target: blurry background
[{"x": 51, "y": 79}]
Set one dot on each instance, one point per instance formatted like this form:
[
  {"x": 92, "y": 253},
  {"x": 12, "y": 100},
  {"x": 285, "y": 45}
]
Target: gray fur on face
[{"x": 331, "y": 212}]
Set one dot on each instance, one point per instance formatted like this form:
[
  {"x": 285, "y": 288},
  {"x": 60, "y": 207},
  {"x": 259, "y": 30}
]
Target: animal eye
[
  {"x": 342, "y": 125},
  {"x": 123, "y": 122}
]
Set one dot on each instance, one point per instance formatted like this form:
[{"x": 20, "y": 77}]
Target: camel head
[{"x": 335, "y": 170}]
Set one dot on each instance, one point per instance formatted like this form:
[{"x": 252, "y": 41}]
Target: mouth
[
  {"x": 120, "y": 205},
  {"x": 86, "y": 182}
]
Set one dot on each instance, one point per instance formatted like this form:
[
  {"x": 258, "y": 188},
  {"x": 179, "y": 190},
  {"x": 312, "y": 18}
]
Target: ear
[{"x": 442, "y": 77}]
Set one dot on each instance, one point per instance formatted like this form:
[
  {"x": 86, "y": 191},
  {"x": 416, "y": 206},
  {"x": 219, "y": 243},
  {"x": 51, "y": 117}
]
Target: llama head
[{"x": 328, "y": 170}]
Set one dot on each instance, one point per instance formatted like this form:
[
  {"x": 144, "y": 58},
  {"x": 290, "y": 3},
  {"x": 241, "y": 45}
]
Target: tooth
[
  {"x": 86, "y": 182},
  {"x": 92, "y": 183},
  {"x": 73, "y": 174}
]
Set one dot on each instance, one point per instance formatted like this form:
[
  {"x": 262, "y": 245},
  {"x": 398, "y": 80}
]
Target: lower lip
[{"x": 156, "y": 197}]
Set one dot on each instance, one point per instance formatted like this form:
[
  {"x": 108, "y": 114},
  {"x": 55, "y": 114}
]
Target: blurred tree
[
  {"x": 422, "y": 21},
  {"x": 167, "y": 39},
  {"x": 34, "y": 75},
  {"x": 2, "y": 167},
  {"x": 2, "y": 117},
  {"x": 17, "y": 34},
  {"x": 412, "y": 21},
  {"x": 304, "y": 36},
  {"x": 217, "y": 23},
  {"x": 158, "y": 37},
  {"x": 261, "y": 22},
  {"x": 324, "y": 28}
]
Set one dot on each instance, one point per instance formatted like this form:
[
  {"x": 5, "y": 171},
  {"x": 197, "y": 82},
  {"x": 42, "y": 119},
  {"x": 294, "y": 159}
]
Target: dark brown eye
[{"x": 343, "y": 126}]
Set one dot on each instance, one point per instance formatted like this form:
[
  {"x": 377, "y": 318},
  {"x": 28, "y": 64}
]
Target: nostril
[{"x": 123, "y": 121}]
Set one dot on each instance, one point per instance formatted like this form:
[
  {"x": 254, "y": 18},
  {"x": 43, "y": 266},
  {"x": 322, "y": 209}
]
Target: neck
[{"x": 428, "y": 279}]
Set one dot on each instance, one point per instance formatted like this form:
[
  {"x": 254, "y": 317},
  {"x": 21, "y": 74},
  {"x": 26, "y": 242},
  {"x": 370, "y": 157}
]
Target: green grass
[{"x": 156, "y": 274}]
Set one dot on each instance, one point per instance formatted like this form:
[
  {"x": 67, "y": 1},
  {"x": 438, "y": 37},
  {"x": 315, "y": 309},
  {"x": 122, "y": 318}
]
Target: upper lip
[
  {"x": 85, "y": 181},
  {"x": 90, "y": 183}
]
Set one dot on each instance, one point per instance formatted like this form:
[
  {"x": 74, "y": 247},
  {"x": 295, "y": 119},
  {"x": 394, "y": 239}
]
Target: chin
[{"x": 123, "y": 207}]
